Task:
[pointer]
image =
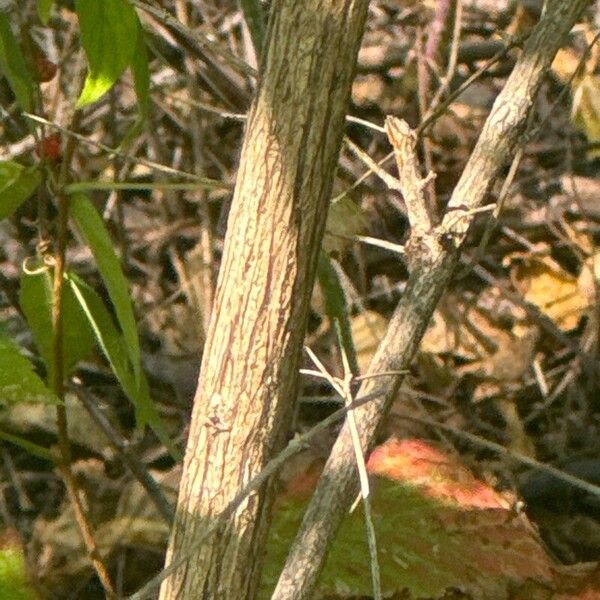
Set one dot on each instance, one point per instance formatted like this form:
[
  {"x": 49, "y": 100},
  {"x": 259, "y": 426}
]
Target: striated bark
[{"x": 248, "y": 378}]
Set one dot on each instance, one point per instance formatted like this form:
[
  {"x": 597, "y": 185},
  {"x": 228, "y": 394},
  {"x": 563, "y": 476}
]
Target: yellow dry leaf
[
  {"x": 488, "y": 349},
  {"x": 443, "y": 338},
  {"x": 367, "y": 90},
  {"x": 565, "y": 64},
  {"x": 465, "y": 332},
  {"x": 585, "y": 88},
  {"x": 554, "y": 291},
  {"x": 368, "y": 329},
  {"x": 588, "y": 278},
  {"x": 585, "y": 112}
]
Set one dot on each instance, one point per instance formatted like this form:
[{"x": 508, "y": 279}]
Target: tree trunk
[{"x": 248, "y": 380}]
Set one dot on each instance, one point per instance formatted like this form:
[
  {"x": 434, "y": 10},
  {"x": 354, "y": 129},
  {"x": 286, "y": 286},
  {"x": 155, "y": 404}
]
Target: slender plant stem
[{"x": 58, "y": 383}]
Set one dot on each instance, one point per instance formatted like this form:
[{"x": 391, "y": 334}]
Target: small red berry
[
  {"x": 45, "y": 69},
  {"x": 50, "y": 147}
]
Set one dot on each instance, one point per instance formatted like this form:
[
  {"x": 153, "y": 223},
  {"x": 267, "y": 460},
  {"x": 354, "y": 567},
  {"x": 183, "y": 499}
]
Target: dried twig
[
  {"x": 343, "y": 388},
  {"x": 430, "y": 118},
  {"x": 412, "y": 184},
  {"x": 121, "y": 445},
  {"x": 198, "y": 42},
  {"x": 452, "y": 61}
]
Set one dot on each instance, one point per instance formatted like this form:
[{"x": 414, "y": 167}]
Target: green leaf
[
  {"x": 14, "y": 67},
  {"x": 31, "y": 447},
  {"x": 17, "y": 183},
  {"x": 106, "y": 333},
  {"x": 14, "y": 583},
  {"x": 35, "y": 298},
  {"x": 141, "y": 72},
  {"x": 18, "y": 381},
  {"x": 109, "y": 30},
  {"x": 99, "y": 184},
  {"x": 36, "y": 303},
  {"x": 114, "y": 348},
  {"x": 141, "y": 81},
  {"x": 344, "y": 221},
  {"x": 438, "y": 528},
  {"x": 337, "y": 308},
  {"x": 44, "y": 7},
  {"x": 92, "y": 228}
]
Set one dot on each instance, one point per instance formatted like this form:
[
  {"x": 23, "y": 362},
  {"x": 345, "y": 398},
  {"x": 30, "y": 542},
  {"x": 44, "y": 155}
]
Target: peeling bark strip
[
  {"x": 498, "y": 140},
  {"x": 248, "y": 379}
]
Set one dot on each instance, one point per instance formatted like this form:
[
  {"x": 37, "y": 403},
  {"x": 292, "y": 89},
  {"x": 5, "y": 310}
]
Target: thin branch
[
  {"x": 114, "y": 151},
  {"x": 365, "y": 123},
  {"x": 453, "y": 60},
  {"x": 365, "y": 490},
  {"x": 502, "y": 196},
  {"x": 85, "y": 186},
  {"x": 388, "y": 179},
  {"x": 477, "y": 440},
  {"x": 424, "y": 68},
  {"x": 130, "y": 460},
  {"x": 391, "y": 246},
  {"x": 431, "y": 117},
  {"x": 198, "y": 42},
  {"x": 404, "y": 141},
  {"x": 435, "y": 31},
  {"x": 343, "y": 388},
  {"x": 435, "y": 113}
]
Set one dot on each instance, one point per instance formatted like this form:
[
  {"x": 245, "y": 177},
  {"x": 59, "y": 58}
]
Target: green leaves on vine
[
  {"x": 120, "y": 346},
  {"x": 36, "y": 303},
  {"x": 113, "y": 40}
]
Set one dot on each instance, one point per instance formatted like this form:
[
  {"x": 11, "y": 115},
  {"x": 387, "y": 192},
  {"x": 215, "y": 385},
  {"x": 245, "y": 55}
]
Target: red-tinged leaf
[
  {"x": 438, "y": 528},
  {"x": 303, "y": 484},
  {"x": 438, "y": 475}
]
